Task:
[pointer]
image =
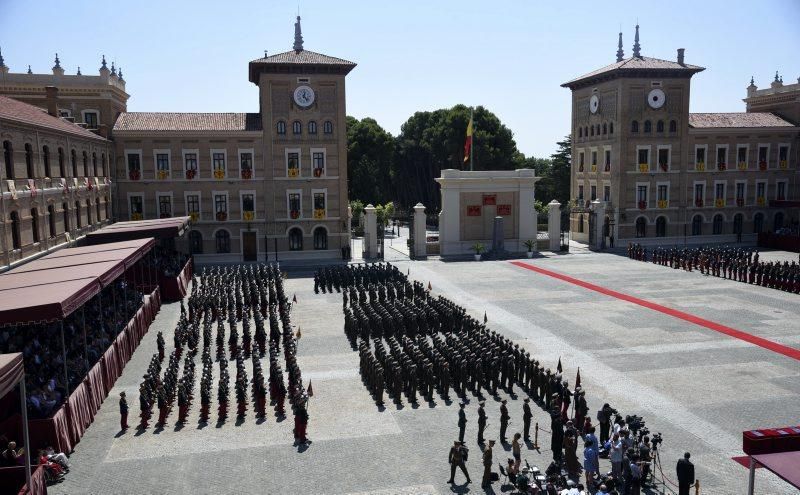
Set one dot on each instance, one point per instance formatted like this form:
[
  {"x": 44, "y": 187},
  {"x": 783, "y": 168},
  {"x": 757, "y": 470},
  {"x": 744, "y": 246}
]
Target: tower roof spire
[
  {"x": 58, "y": 63},
  {"x": 298, "y": 36},
  {"x": 620, "y": 52},
  {"x": 2, "y": 62},
  {"x": 637, "y": 49}
]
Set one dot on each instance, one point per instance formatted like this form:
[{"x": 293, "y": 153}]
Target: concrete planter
[
  {"x": 530, "y": 254},
  {"x": 477, "y": 257}
]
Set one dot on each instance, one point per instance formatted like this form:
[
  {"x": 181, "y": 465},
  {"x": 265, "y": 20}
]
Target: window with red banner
[
  {"x": 489, "y": 199},
  {"x": 504, "y": 210},
  {"x": 473, "y": 211}
]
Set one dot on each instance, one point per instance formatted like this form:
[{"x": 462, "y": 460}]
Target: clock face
[
  {"x": 304, "y": 96},
  {"x": 594, "y": 103},
  {"x": 656, "y": 98}
]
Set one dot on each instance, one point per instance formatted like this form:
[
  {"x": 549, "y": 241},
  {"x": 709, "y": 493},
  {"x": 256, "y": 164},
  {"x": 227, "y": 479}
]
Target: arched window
[
  {"x": 74, "y": 159},
  {"x": 15, "y": 237},
  {"x": 35, "y": 224},
  {"x": 598, "y": 129},
  {"x": 8, "y": 158},
  {"x": 661, "y": 227},
  {"x": 65, "y": 211},
  {"x": 94, "y": 163},
  {"x": 103, "y": 165},
  {"x": 77, "y": 214},
  {"x": 605, "y": 129},
  {"x": 758, "y": 223},
  {"x": 580, "y": 132},
  {"x": 635, "y": 126},
  {"x": 46, "y": 160},
  {"x": 580, "y": 223},
  {"x": 297, "y": 127},
  {"x": 778, "y": 222},
  {"x": 738, "y": 220},
  {"x": 673, "y": 126},
  {"x": 611, "y": 128},
  {"x": 717, "y": 224},
  {"x": 295, "y": 239},
  {"x": 62, "y": 171},
  {"x": 327, "y": 127},
  {"x": 591, "y": 130},
  {"x": 29, "y": 161},
  {"x": 89, "y": 212},
  {"x": 195, "y": 242},
  {"x": 586, "y": 131},
  {"x": 648, "y": 127},
  {"x": 51, "y": 220},
  {"x": 697, "y": 225},
  {"x": 312, "y": 127},
  {"x": 660, "y": 126},
  {"x": 320, "y": 238},
  {"x": 223, "y": 240},
  {"x": 280, "y": 127},
  {"x": 641, "y": 227},
  {"x": 85, "y": 164}
]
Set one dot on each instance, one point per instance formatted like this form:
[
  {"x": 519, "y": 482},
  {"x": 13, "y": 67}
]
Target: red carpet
[{"x": 732, "y": 332}]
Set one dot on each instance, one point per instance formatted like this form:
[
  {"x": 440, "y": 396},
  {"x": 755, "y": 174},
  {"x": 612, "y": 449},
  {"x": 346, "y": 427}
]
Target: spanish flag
[{"x": 468, "y": 142}]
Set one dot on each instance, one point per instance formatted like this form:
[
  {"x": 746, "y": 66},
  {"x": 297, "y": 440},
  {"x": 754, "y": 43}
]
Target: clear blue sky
[{"x": 510, "y": 56}]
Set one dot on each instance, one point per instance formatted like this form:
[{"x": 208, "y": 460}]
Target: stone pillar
[
  {"x": 599, "y": 208},
  {"x": 371, "y": 231},
  {"x": 528, "y": 217},
  {"x": 498, "y": 237},
  {"x": 554, "y": 225},
  {"x": 420, "y": 237}
]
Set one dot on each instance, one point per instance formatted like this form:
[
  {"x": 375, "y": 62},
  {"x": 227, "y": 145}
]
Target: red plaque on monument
[
  {"x": 489, "y": 199},
  {"x": 473, "y": 211},
  {"x": 504, "y": 210}
]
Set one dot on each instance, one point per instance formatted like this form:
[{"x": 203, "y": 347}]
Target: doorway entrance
[{"x": 249, "y": 246}]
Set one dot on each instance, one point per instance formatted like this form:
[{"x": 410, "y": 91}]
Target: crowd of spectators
[
  {"x": 168, "y": 262},
  {"x": 40, "y": 345}
]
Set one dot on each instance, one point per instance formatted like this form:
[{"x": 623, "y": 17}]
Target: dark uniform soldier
[
  {"x": 462, "y": 422},
  {"x": 487, "y": 465},
  {"x": 504, "y": 417},
  {"x": 160, "y": 344},
  {"x": 183, "y": 403},
  {"x": 526, "y": 419},
  {"x": 458, "y": 454},
  {"x": 123, "y": 411},
  {"x": 481, "y": 421}
]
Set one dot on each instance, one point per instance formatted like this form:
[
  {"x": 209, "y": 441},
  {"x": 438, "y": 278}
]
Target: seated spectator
[
  {"x": 58, "y": 457},
  {"x": 54, "y": 470},
  {"x": 13, "y": 456}
]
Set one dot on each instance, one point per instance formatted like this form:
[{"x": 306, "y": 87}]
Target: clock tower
[
  {"x": 303, "y": 114},
  {"x": 630, "y": 140}
]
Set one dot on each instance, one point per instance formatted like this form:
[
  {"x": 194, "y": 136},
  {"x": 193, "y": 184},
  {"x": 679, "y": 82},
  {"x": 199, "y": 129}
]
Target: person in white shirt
[{"x": 615, "y": 455}]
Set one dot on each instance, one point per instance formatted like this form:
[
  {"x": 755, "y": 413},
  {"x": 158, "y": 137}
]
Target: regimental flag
[
  {"x": 310, "y": 390},
  {"x": 485, "y": 318},
  {"x": 294, "y": 298},
  {"x": 578, "y": 379},
  {"x": 559, "y": 368},
  {"x": 468, "y": 142}
]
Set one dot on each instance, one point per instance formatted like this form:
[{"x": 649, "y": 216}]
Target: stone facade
[
  {"x": 54, "y": 182},
  {"x": 93, "y": 101},
  {"x": 655, "y": 165},
  {"x": 472, "y": 200}
]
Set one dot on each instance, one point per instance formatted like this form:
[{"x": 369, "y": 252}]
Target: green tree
[
  {"x": 370, "y": 153},
  {"x": 558, "y": 178},
  {"x": 432, "y": 141}
]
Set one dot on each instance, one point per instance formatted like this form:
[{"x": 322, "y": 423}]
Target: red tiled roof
[
  {"x": 736, "y": 119},
  {"x": 172, "y": 121},
  {"x": 631, "y": 64},
  {"x": 15, "y": 110},
  {"x": 302, "y": 61}
]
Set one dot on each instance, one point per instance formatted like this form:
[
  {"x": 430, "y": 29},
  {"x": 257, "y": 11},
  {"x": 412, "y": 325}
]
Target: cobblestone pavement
[{"x": 698, "y": 387}]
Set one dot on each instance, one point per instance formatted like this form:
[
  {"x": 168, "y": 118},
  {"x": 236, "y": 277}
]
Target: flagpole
[{"x": 472, "y": 139}]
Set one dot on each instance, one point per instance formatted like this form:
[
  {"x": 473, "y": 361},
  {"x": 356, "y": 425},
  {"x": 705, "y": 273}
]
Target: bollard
[
  {"x": 536, "y": 437},
  {"x": 696, "y": 487}
]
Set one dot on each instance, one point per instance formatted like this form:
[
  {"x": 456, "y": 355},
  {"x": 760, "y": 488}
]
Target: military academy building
[
  {"x": 255, "y": 184},
  {"x": 669, "y": 176}
]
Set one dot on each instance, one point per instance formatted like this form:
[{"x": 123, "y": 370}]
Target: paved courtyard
[{"x": 700, "y": 388}]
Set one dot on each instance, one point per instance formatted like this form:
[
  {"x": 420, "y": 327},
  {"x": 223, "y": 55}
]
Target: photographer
[
  {"x": 604, "y": 418},
  {"x": 644, "y": 455}
]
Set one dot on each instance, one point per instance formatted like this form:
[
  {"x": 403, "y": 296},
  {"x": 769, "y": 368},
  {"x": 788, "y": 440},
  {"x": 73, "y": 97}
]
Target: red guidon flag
[{"x": 468, "y": 142}]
